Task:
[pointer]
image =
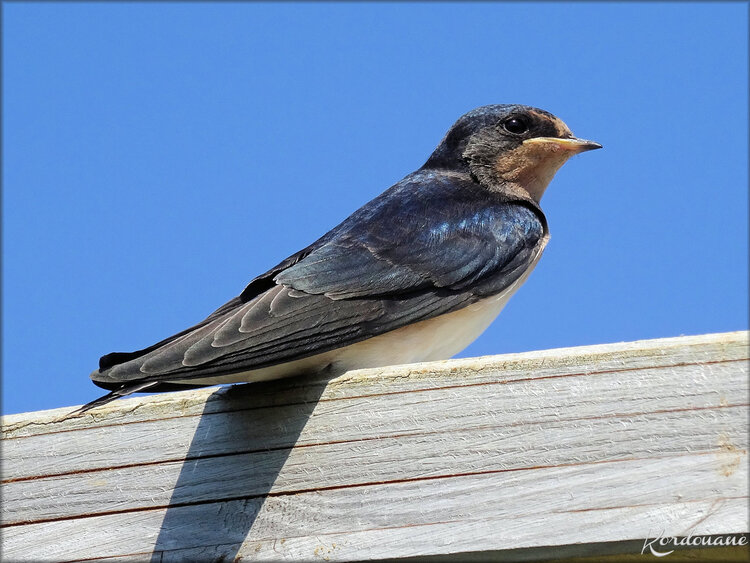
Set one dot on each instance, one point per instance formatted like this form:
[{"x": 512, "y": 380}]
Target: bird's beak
[{"x": 572, "y": 145}]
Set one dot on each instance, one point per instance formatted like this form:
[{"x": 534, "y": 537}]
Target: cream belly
[{"x": 434, "y": 339}]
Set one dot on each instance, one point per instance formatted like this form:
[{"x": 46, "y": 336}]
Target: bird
[{"x": 416, "y": 274}]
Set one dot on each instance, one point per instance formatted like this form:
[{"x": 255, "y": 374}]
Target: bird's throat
[{"x": 530, "y": 167}]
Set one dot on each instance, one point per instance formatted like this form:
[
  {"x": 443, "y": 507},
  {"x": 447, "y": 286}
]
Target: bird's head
[{"x": 512, "y": 147}]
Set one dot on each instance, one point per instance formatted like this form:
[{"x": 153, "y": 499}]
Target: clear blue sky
[{"x": 156, "y": 157}]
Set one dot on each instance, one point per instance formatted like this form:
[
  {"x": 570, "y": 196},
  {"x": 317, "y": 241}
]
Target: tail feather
[{"x": 122, "y": 391}]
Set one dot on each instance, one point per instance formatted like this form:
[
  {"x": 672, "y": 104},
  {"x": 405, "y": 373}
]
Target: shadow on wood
[{"x": 250, "y": 473}]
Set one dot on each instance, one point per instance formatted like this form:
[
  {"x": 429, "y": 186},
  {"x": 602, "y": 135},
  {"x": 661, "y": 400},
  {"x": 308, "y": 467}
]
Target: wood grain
[{"x": 588, "y": 445}]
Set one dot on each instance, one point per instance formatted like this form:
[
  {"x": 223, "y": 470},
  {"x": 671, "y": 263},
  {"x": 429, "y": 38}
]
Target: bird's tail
[{"x": 122, "y": 391}]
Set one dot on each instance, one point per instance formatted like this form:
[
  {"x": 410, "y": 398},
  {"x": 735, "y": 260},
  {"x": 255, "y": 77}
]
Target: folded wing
[{"x": 430, "y": 245}]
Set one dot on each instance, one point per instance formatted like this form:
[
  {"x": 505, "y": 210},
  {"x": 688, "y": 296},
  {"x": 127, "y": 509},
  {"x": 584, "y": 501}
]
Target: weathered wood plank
[
  {"x": 490, "y": 449},
  {"x": 592, "y": 502},
  {"x": 387, "y": 458},
  {"x": 705, "y": 350},
  {"x": 52, "y": 448}
]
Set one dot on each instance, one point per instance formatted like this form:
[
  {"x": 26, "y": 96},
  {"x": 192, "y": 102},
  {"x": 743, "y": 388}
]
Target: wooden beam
[{"x": 588, "y": 448}]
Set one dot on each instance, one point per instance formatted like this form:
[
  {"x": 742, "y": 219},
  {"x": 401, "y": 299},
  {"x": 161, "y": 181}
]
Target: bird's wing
[{"x": 432, "y": 244}]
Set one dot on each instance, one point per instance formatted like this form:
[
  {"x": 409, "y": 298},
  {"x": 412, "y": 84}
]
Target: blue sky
[{"x": 156, "y": 157}]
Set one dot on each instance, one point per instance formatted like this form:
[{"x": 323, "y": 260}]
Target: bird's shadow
[{"x": 241, "y": 443}]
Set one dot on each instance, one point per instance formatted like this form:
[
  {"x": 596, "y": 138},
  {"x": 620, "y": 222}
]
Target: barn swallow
[{"x": 414, "y": 275}]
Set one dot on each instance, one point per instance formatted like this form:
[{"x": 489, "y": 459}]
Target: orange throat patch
[{"x": 531, "y": 167}]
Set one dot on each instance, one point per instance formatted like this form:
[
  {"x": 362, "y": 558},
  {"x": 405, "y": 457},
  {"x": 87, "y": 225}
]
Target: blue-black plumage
[{"x": 415, "y": 274}]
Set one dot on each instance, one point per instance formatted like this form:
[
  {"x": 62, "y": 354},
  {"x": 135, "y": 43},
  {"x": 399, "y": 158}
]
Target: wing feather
[{"x": 432, "y": 244}]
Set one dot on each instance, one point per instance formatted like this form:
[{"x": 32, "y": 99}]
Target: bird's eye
[{"x": 516, "y": 125}]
